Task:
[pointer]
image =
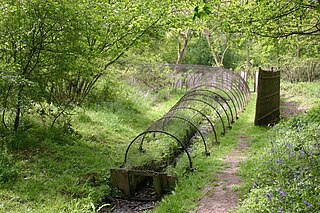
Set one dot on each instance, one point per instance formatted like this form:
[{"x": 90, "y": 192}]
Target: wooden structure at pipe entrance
[{"x": 204, "y": 113}]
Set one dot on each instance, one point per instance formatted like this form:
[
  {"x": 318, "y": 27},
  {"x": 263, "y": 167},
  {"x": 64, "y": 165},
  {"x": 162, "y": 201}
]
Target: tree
[
  {"x": 214, "y": 46},
  {"x": 282, "y": 18},
  {"x": 280, "y": 28},
  {"x": 183, "y": 40},
  {"x": 54, "y": 53}
]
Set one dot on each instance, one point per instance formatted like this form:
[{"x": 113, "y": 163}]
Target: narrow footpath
[{"x": 223, "y": 195}]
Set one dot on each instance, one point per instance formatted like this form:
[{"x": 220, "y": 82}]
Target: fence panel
[{"x": 268, "y": 97}]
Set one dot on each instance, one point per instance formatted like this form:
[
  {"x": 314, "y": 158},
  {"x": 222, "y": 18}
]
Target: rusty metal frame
[
  {"x": 207, "y": 103},
  {"x": 239, "y": 81},
  {"x": 218, "y": 86},
  {"x": 216, "y": 94},
  {"x": 163, "y": 132},
  {"x": 237, "y": 109},
  {"x": 192, "y": 124},
  {"x": 203, "y": 115},
  {"x": 195, "y": 93},
  {"x": 234, "y": 88},
  {"x": 213, "y": 88}
]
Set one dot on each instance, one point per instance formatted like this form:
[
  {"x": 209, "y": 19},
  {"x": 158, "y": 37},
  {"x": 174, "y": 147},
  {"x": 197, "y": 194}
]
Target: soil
[
  {"x": 222, "y": 196},
  {"x": 291, "y": 108},
  {"x": 118, "y": 205},
  {"x": 142, "y": 201}
]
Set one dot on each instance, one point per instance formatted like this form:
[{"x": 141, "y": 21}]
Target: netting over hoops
[{"x": 212, "y": 102}]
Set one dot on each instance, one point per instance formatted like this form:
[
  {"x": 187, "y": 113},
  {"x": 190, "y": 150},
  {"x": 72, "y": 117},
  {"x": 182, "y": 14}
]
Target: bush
[{"x": 305, "y": 69}]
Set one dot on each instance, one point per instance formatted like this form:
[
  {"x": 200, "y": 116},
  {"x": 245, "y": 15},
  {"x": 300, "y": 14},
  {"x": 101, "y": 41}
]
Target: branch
[
  {"x": 223, "y": 54},
  {"x": 134, "y": 40},
  {"x": 60, "y": 113},
  {"x": 315, "y": 32}
]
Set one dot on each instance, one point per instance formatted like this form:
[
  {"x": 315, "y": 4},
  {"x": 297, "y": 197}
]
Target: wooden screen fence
[{"x": 268, "y": 97}]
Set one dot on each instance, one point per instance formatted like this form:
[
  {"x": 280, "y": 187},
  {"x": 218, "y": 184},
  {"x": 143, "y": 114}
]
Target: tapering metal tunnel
[{"x": 213, "y": 100}]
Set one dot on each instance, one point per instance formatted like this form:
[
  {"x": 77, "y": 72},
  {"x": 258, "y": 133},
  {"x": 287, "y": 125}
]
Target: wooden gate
[{"x": 268, "y": 97}]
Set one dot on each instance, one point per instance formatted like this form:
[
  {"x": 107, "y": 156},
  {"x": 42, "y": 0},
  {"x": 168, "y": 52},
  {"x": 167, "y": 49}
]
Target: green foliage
[
  {"x": 8, "y": 170},
  {"x": 202, "y": 11},
  {"x": 286, "y": 173},
  {"x": 313, "y": 115},
  {"x": 305, "y": 94},
  {"x": 54, "y": 53},
  {"x": 302, "y": 69},
  {"x": 199, "y": 52},
  {"x": 67, "y": 169},
  {"x": 277, "y": 34},
  {"x": 267, "y": 18}
]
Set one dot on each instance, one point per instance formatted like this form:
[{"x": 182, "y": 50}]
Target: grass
[
  {"x": 304, "y": 94},
  {"x": 282, "y": 174},
  {"x": 189, "y": 190},
  {"x": 67, "y": 170}
]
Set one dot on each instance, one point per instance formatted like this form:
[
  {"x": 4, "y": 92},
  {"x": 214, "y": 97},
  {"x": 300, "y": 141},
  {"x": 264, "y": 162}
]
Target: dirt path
[{"x": 222, "y": 196}]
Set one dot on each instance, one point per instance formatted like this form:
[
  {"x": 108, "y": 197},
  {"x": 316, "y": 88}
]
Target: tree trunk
[
  {"x": 18, "y": 112},
  {"x": 248, "y": 57},
  {"x": 217, "y": 59},
  {"x": 182, "y": 47}
]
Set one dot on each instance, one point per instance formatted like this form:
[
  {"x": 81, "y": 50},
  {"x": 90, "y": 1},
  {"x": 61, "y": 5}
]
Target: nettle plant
[{"x": 287, "y": 176}]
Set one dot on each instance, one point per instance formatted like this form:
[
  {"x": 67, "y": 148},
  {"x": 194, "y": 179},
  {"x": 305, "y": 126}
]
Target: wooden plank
[
  {"x": 128, "y": 180},
  {"x": 120, "y": 179}
]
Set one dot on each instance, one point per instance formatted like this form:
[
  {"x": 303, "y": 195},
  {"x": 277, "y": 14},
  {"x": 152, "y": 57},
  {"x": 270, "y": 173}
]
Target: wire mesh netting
[{"x": 212, "y": 102}]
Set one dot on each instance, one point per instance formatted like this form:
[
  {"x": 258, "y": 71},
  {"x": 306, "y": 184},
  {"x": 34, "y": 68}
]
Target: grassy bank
[
  {"x": 189, "y": 190},
  {"x": 67, "y": 170},
  {"x": 50, "y": 170},
  {"x": 283, "y": 174}
]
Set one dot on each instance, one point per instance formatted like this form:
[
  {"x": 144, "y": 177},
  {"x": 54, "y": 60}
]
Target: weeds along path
[{"x": 222, "y": 195}]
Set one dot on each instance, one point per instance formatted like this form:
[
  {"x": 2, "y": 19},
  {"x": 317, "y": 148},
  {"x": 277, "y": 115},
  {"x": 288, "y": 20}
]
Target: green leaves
[
  {"x": 318, "y": 7},
  {"x": 201, "y": 12},
  {"x": 64, "y": 47}
]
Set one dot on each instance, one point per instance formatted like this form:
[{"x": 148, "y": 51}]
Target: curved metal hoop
[
  {"x": 158, "y": 131},
  {"x": 214, "y": 88},
  {"x": 214, "y": 108},
  {"x": 203, "y": 115},
  {"x": 192, "y": 124},
  {"x": 237, "y": 109},
  {"x": 216, "y": 94},
  {"x": 214, "y": 99}
]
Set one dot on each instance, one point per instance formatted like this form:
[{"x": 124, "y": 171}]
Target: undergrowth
[
  {"x": 66, "y": 168},
  {"x": 284, "y": 175},
  {"x": 190, "y": 186},
  {"x": 305, "y": 94}
]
